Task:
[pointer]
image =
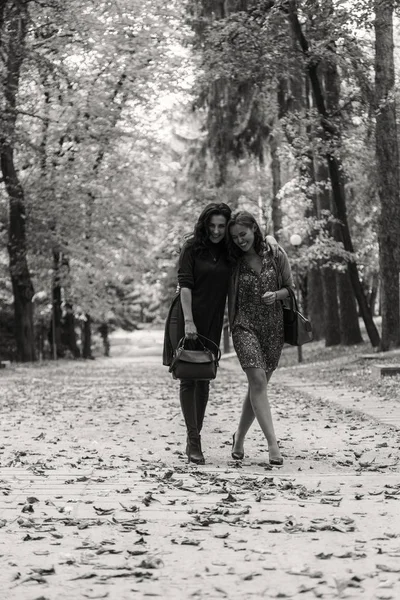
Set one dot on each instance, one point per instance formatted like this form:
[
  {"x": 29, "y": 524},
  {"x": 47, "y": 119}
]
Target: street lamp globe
[{"x": 295, "y": 239}]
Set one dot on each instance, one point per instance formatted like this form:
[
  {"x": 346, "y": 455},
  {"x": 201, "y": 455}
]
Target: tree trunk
[
  {"x": 276, "y": 210},
  {"x": 331, "y": 308},
  {"x": 335, "y": 172},
  {"x": 308, "y": 173},
  {"x": 104, "y": 332},
  {"x": 316, "y": 303},
  {"x": 389, "y": 297},
  {"x": 17, "y": 244},
  {"x": 387, "y": 154},
  {"x": 328, "y": 275},
  {"x": 69, "y": 333},
  {"x": 56, "y": 317},
  {"x": 87, "y": 337},
  {"x": 350, "y": 332}
]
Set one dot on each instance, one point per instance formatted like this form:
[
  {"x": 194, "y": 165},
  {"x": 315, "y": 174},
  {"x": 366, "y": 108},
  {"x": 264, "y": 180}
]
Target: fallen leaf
[
  {"x": 103, "y": 511},
  {"x": 186, "y": 541},
  {"x": 388, "y": 569},
  {"x": 151, "y": 563}
]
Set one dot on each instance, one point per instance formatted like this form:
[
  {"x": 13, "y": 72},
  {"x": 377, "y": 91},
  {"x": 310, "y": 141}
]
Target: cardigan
[{"x": 285, "y": 280}]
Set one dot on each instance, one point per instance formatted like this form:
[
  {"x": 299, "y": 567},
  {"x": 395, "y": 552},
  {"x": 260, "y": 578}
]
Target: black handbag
[
  {"x": 200, "y": 364},
  {"x": 297, "y": 329}
]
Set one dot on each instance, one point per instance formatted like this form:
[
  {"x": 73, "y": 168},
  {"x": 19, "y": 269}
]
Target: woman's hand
[
  {"x": 190, "y": 330},
  {"x": 269, "y": 297}
]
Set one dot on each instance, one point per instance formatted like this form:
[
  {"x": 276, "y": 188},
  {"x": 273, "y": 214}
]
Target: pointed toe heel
[{"x": 236, "y": 455}]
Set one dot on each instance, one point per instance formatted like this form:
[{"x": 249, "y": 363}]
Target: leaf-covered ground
[
  {"x": 97, "y": 500},
  {"x": 352, "y": 366}
]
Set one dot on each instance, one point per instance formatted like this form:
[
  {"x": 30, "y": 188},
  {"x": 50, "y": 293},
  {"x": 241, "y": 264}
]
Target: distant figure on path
[
  {"x": 204, "y": 272},
  {"x": 258, "y": 284}
]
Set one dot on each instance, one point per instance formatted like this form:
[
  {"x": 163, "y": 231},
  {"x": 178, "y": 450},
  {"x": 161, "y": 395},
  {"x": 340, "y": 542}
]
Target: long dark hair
[
  {"x": 200, "y": 233},
  {"x": 245, "y": 219}
]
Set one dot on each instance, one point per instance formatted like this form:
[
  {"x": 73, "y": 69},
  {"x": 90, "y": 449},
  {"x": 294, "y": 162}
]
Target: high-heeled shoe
[
  {"x": 236, "y": 455},
  {"x": 194, "y": 451},
  {"x": 276, "y": 461}
]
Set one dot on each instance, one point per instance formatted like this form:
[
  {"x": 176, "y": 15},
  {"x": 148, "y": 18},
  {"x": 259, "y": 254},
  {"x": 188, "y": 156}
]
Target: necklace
[
  {"x": 213, "y": 255},
  {"x": 255, "y": 262}
]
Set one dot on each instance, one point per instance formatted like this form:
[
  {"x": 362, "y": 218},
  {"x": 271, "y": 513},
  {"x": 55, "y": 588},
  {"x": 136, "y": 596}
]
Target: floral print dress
[{"x": 257, "y": 331}]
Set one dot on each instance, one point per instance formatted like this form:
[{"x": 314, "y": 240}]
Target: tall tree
[
  {"x": 328, "y": 275},
  {"x": 348, "y": 316},
  {"x": 335, "y": 168},
  {"x": 387, "y": 156},
  {"x": 17, "y": 17}
]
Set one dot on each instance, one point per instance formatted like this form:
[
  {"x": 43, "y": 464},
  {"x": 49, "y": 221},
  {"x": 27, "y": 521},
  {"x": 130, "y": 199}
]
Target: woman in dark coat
[{"x": 203, "y": 277}]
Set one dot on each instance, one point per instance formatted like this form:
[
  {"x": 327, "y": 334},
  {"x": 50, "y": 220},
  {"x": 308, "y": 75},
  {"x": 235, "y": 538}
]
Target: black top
[{"x": 207, "y": 274}]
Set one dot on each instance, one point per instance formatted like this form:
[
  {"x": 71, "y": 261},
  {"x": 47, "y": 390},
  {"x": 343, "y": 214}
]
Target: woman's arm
[
  {"x": 281, "y": 294},
  {"x": 186, "y": 282},
  {"x": 286, "y": 279},
  {"x": 272, "y": 297},
  {"x": 186, "y": 302},
  {"x": 286, "y": 271}
]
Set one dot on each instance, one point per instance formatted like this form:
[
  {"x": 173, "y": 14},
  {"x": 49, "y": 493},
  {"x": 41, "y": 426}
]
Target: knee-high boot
[
  {"x": 201, "y": 395},
  {"x": 188, "y": 405}
]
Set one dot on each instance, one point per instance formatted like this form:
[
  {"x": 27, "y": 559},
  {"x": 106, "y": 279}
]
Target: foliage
[
  {"x": 133, "y": 115},
  {"x": 90, "y": 111},
  {"x": 245, "y": 54}
]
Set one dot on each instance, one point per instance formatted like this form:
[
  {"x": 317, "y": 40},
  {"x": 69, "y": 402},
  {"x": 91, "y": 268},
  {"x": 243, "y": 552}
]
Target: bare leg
[
  {"x": 258, "y": 380},
  {"x": 246, "y": 419}
]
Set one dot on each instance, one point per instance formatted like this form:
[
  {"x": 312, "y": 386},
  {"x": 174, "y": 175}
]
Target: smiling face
[
  {"x": 216, "y": 228},
  {"x": 243, "y": 237}
]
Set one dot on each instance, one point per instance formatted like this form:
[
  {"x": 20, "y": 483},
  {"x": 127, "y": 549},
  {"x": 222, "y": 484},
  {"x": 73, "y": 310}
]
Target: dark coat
[{"x": 174, "y": 329}]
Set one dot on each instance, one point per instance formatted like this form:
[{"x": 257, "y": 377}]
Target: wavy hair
[
  {"x": 245, "y": 219},
  {"x": 200, "y": 233}
]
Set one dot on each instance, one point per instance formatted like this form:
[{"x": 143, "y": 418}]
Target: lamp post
[{"x": 295, "y": 240}]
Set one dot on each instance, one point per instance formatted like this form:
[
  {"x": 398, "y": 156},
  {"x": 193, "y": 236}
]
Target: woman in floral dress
[{"x": 258, "y": 285}]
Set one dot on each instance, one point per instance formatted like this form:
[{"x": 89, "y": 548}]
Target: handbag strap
[
  {"x": 181, "y": 344},
  {"x": 293, "y": 299}
]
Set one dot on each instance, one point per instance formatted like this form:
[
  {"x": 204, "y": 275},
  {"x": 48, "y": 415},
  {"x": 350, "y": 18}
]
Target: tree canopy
[{"x": 121, "y": 120}]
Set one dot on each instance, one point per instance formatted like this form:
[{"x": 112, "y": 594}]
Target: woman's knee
[
  {"x": 187, "y": 384},
  {"x": 257, "y": 380},
  {"x": 203, "y": 385}
]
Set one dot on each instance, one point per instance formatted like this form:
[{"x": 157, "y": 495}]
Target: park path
[{"x": 97, "y": 501}]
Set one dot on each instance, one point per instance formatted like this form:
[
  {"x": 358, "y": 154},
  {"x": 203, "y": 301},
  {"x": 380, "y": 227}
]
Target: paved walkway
[{"x": 97, "y": 500}]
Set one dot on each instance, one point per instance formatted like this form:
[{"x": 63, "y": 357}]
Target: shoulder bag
[
  {"x": 200, "y": 363},
  {"x": 297, "y": 329}
]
